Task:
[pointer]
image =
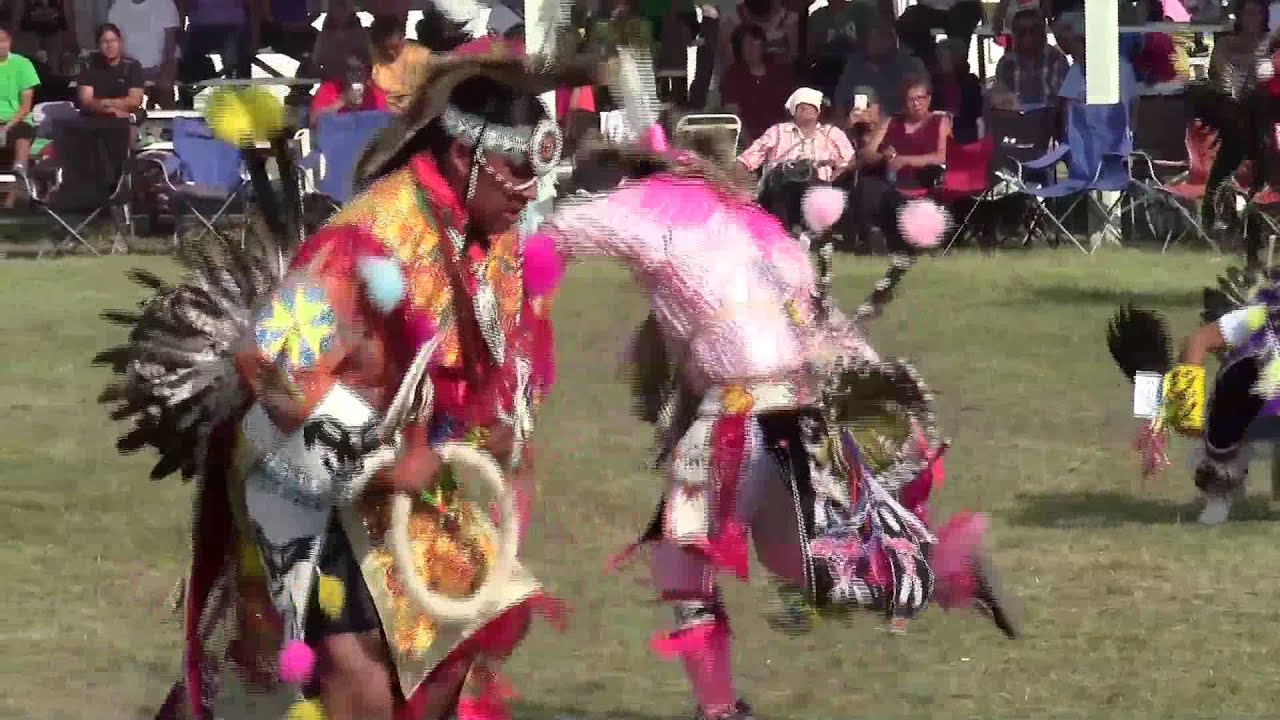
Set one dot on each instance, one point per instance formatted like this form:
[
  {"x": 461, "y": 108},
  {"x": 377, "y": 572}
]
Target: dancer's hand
[
  {"x": 500, "y": 442},
  {"x": 417, "y": 469}
]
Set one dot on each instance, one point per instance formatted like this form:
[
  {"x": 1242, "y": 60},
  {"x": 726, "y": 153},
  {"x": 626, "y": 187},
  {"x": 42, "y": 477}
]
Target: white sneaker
[{"x": 1216, "y": 510}]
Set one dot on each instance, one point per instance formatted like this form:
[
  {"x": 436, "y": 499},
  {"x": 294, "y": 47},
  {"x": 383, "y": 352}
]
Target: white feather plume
[{"x": 633, "y": 82}]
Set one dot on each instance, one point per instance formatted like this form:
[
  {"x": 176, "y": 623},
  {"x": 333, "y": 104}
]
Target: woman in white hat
[{"x": 803, "y": 149}]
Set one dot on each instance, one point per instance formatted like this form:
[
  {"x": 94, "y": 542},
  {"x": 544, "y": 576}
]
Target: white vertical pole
[
  {"x": 1102, "y": 50},
  {"x": 535, "y": 32},
  {"x": 1102, "y": 81}
]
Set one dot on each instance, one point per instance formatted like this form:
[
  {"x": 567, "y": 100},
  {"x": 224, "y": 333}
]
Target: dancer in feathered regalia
[
  {"x": 1242, "y": 317},
  {"x": 764, "y": 383},
  {"x": 338, "y": 406}
]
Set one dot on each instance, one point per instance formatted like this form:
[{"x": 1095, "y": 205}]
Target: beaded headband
[{"x": 541, "y": 145}]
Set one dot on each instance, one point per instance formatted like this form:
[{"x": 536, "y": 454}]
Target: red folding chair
[{"x": 968, "y": 178}]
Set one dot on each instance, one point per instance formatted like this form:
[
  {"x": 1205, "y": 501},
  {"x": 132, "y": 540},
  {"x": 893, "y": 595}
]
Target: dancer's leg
[
  {"x": 1225, "y": 467},
  {"x": 355, "y": 677},
  {"x": 700, "y": 637}
]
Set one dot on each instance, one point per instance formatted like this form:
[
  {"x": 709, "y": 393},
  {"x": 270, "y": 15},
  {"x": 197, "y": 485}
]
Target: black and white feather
[
  {"x": 175, "y": 378},
  {"x": 1139, "y": 342}
]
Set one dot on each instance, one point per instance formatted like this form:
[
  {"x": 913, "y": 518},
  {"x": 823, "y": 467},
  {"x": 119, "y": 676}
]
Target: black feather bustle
[
  {"x": 1216, "y": 304},
  {"x": 146, "y": 279},
  {"x": 1139, "y": 341}
]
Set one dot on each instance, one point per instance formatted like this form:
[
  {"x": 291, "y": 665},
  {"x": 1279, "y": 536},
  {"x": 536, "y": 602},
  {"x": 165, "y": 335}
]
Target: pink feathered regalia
[{"x": 776, "y": 419}]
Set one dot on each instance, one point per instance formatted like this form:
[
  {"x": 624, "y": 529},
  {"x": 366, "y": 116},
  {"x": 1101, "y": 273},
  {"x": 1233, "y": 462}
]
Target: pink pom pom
[
  {"x": 543, "y": 266},
  {"x": 959, "y": 543},
  {"x": 297, "y": 661},
  {"x": 822, "y": 207},
  {"x": 923, "y": 222}
]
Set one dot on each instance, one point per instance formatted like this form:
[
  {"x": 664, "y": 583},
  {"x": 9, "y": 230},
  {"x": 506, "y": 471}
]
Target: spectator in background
[
  {"x": 1029, "y": 76},
  {"x": 342, "y": 39},
  {"x": 151, "y": 27},
  {"x": 834, "y": 30},
  {"x": 958, "y": 18},
  {"x": 781, "y": 29},
  {"x": 398, "y": 64},
  {"x": 438, "y": 32},
  {"x": 398, "y": 9},
  {"x": 350, "y": 93},
  {"x": 216, "y": 26},
  {"x": 834, "y": 27},
  {"x": 1068, "y": 30},
  {"x": 754, "y": 89},
  {"x": 801, "y": 139},
  {"x": 958, "y": 91},
  {"x": 18, "y": 81},
  {"x": 911, "y": 148},
  {"x": 285, "y": 27},
  {"x": 794, "y": 154},
  {"x": 881, "y": 65},
  {"x": 111, "y": 85},
  {"x": 48, "y": 29}
]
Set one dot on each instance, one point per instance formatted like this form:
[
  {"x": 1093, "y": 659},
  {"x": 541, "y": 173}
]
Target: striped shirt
[{"x": 784, "y": 142}]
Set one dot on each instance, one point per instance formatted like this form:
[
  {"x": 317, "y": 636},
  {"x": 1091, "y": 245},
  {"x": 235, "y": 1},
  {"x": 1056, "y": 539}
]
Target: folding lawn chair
[
  {"x": 340, "y": 139},
  {"x": 1018, "y": 136},
  {"x": 1170, "y": 168},
  {"x": 725, "y": 129},
  {"x": 205, "y": 174},
  {"x": 1097, "y": 157},
  {"x": 967, "y": 178},
  {"x": 89, "y": 177}
]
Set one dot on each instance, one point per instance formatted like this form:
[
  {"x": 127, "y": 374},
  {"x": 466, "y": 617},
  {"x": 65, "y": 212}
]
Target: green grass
[{"x": 1132, "y": 610}]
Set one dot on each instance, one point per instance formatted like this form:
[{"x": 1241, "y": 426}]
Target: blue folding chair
[
  {"x": 1099, "y": 142},
  {"x": 204, "y": 173},
  {"x": 340, "y": 140}
]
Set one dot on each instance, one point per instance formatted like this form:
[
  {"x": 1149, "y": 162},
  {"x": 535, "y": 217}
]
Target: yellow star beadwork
[{"x": 297, "y": 328}]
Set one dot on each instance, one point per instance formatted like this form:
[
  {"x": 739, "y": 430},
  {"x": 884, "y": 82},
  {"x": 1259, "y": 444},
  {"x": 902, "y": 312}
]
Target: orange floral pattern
[
  {"x": 390, "y": 211},
  {"x": 452, "y": 550}
]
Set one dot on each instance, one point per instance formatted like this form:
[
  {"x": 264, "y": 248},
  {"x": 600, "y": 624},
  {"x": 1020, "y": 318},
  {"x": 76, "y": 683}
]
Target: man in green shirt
[{"x": 18, "y": 81}]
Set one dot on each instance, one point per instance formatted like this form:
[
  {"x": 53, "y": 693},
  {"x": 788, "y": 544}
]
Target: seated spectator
[
  {"x": 818, "y": 151},
  {"x": 151, "y": 27},
  {"x": 47, "y": 28},
  {"x": 341, "y": 39},
  {"x": 351, "y": 93},
  {"x": 215, "y": 26},
  {"x": 958, "y": 18},
  {"x": 18, "y": 81},
  {"x": 802, "y": 138},
  {"x": 1068, "y": 30},
  {"x": 781, "y": 29},
  {"x": 958, "y": 92},
  {"x": 880, "y": 65},
  {"x": 398, "y": 64},
  {"x": 1029, "y": 76},
  {"x": 754, "y": 89},
  {"x": 111, "y": 85},
  {"x": 911, "y": 148}
]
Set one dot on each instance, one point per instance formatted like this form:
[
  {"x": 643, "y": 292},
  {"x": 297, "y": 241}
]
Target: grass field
[{"x": 1132, "y": 610}]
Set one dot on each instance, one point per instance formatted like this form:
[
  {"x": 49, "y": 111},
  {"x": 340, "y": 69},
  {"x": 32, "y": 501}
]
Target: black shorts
[
  {"x": 359, "y": 614},
  {"x": 20, "y": 131}
]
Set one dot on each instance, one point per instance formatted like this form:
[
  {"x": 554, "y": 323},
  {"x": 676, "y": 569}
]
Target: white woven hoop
[{"x": 473, "y": 466}]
